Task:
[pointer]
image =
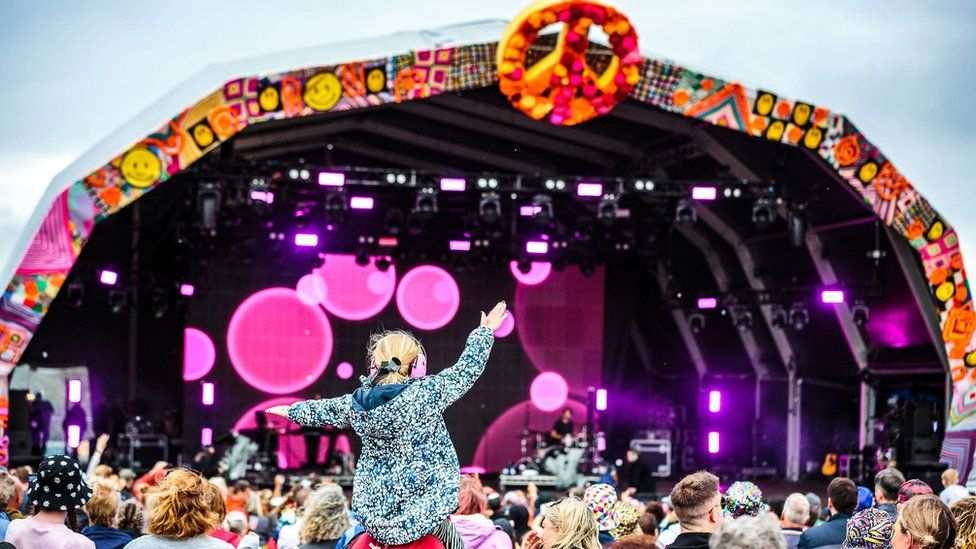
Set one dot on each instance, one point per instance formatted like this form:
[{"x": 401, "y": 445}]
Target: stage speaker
[
  {"x": 929, "y": 472},
  {"x": 925, "y": 449},
  {"x": 19, "y": 418}
]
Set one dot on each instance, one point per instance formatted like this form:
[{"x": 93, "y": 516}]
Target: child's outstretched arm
[
  {"x": 454, "y": 382},
  {"x": 316, "y": 413}
]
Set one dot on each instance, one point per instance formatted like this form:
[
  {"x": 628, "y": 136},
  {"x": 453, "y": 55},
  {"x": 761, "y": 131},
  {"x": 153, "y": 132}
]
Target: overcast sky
[{"x": 902, "y": 71}]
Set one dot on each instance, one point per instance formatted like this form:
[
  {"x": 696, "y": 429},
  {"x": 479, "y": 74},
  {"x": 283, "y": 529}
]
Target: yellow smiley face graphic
[
  {"x": 935, "y": 231},
  {"x": 945, "y": 291},
  {"x": 867, "y": 172},
  {"x": 376, "y": 80},
  {"x": 801, "y": 114},
  {"x": 813, "y": 137},
  {"x": 764, "y": 105},
  {"x": 203, "y": 135},
  {"x": 322, "y": 91},
  {"x": 775, "y": 131},
  {"x": 140, "y": 167},
  {"x": 269, "y": 99}
]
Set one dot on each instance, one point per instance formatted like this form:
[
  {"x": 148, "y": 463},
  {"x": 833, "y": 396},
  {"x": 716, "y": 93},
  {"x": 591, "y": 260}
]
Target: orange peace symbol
[{"x": 562, "y": 85}]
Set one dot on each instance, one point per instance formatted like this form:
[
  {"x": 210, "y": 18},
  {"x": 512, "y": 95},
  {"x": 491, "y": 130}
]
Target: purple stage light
[
  {"x": 460, "y": 245},
  {"x": 537, "y": 247},
  {"x": 601, "y": 400},
  {"x": 361, "y": 203},
  {"x": 332, "y": 179},
  {"x": 206, "y": 436},
  {"x": 529, "y": 211},
  {"x": 344, "y": 370},
  {"x": 306, "y": 240},
  {"x": 74, "y": 391},
  {"x": 387, "y": 242},
  {"x": 713, "y": 442},
  {"x": 453, "y": 184},
  {"x": 109, "y": 278},
  {"x": 704, "y": 193},
  {"x": 74, "y": 436},
  {"x": 707, "y": 302},
  {"x": 589, "y": 189},
  {"x": 207, "y": 393},
  {"x": 549, "y": 391},
  {"x": 714, "y": 401},
  {"x": 187, "y": 290},
  {"x": 199, "y": 354},
  {"x": 263, "y": 196},
  {"x": 832, "y": 296}
]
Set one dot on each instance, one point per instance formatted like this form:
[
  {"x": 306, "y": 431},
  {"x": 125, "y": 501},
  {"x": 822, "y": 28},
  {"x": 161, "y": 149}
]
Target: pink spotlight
[
  {"x": 713, "y": 442},
  {"x": 199, "y": 354},
  {"x": 332, "y": 179},
  {"x": 365, "y": 289},
  {"x": 344, "y": 370},
  {"x": 507, "y": 326},
  {"x": 529, "y": 211},
  {"x": 387, "y": 242},
  {"x": 207, "y": 393},
  {"x": 538, "y": 272},
  {"x": 589, "y": 189},
  {"x": 707, "y": 302},
  {"x": 109, "y": 278},
  {"x": 206, "y": 436},
  {"x": 460, "y": 245},
  {"x": 74, "y": 436},
  {"x": 537, "y": 247},
  {"x": 263, "y": 196},
  {"x": 601, "y": 400},
  {"x": 187, "y": 290},
  {"x": 428, "y": 297},
  {"x": 452, "y": 184},
  {"x": 74, "y": 391},
  {"x": 704, "y": 193},
  {"x": 714, "y": 401},
  {"x": 311, "y": 289},
  {"x": 472, "y": 470},
  {"x": 832, "y": 296},
  {"x": 549, "y": 391},
  {"x": 361, "y": 203},
  {"x": 306, "y": 239}
]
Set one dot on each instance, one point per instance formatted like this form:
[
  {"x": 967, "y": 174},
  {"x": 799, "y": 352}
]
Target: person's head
[
  {"x": 494, "y": 502},
  {"x": 627, "y": 519},
  {"x": 601, "y": 500},
  {"x": 19, "y": 489},
  {"x": 130, "y": 515},
  {"x": 648, "y": 524},
  {"x": 842, "y": 496},
  {"x": 924, "y": 522},
  {"x": 128, "y": 476},
  {"x": 635, "y": 541},
  {"x": 964, "y": 511},
  {"x": 568, "y": 524},
  {"x": 217, "y": 504},
  {"x": 910, "y": 489},
  {"x": 816, "y": 506},
  {"x": 886, "y": 485},
  {"x": 657, "y": 509},
  {"x": 743, "y": 498},
  {"x": 796, "y": 510},
  {"x": 236, "y": 523},
  {"x": 54, "y": 475},
  {"x": 697, "y": 502},
  {"x": 869, "y": 529},
  {"x": 326, "y": 515},
  {"x": 632, "y": 455},
  {"x": 749, "y": 532},
  {"x": 950, "y": 477},
  {"x": 103, "y": 471},
  {"x": 241, "y": 488},
  {"x": 221, "y": 484},
  {"x": 471, "y": 497},
  {"x": 8, "y": 491},
  {"x": 567, "y": 414},
  {"x": 182, "y": 508},
  {"x": 390, "y": 345},
  {"x": 865, "y": 498},
  {"x": 103, "y": 505}
]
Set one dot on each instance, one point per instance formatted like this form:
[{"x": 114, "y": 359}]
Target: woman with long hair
[
  {"x": 324, "y": 518},
  {"x": 924, "y": 522},
  {"x": 964, "y": 511},
  {"x": 566, "y": 524}
]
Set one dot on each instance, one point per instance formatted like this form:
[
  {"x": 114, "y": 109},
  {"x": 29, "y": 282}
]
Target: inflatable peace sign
[{"x": 562, "y": 85}]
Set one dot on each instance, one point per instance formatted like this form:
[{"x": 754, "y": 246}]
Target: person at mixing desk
[{"x": 561, "y": 429}]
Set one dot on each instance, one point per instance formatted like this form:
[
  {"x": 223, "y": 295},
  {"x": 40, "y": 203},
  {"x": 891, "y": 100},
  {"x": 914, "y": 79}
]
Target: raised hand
[
  {"x": 102, "y": 442},
  {"x": 493, "y": 320}
]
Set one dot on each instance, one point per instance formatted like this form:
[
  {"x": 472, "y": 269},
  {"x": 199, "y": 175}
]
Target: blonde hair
[
  {"x": 950, "y": 477},
  {"x": 217, "y": 504},
  {"x": 576, "y": 524},
  {"x": 927, "y": 520},
  {"x": 394, "y": 344},
  {"x": 964, "y": 511},
  {"x": 325, "y": 515},
  {"x": 104, "y": 503},
  {"x": 183, "y": 507},
  {"x": 103, "y": 471}
]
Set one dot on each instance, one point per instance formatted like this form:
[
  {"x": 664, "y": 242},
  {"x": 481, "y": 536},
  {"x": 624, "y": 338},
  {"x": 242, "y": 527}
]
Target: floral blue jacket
[{"x": 408, "y": 474}]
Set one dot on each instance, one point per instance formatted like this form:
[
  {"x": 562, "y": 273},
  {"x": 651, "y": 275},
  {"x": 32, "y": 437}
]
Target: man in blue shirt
[{"x": 841, "y": 501}]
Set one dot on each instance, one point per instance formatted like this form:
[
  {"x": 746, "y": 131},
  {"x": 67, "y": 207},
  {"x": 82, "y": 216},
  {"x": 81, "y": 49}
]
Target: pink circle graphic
[
  {"x": 277, "y": 343},
  {"x": 358, "y": 292},
  {"x": 311, "y": 289},
  {"x": 428, "y": 297},
  {"x": 199, "y": 354},
  {"x": 548, "y": 391},
  {"x": 538, "y": 272},
  {"x": 345, "y": 370},
  {"x": 507, "y": 326}
]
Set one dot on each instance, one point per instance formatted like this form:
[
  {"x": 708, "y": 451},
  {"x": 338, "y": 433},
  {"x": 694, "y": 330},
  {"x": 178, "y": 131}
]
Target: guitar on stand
[{"x": 829, "y": 468}]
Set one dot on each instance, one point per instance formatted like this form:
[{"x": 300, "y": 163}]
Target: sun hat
[{"x": 59, "y": 486}]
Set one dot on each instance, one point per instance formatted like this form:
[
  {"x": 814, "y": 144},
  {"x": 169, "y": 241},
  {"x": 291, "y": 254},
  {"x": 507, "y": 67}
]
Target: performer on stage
[
  {"x": 407, "y": 479},
  {"x": 562, "y": 428}
]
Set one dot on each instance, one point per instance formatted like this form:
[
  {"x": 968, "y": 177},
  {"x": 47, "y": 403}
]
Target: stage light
[
  {"x": 207, "y": 393},
  {"x": 601, "y": 400},
  {"x": 304, "y": 174},
  {"x": 608, "y": 210},
  {"x": 453, "y": 184},
  {"x": 799, "y": 317},
  {"x": 589, "y": 189},
  {"x": 117, "y": 301},
  {"x": 383, "y": 263},
  {"x": 75, "y": 293},
  {"x": 529, "y": 211},
  {"x": 685, "y": 213},
  {"x": 704, "y": 193},
  {"x": 763, "y": 213},
  {"x": 542, "y": 206},
  {"x": 426, "y": 203},
  {"x": 714, "y": 401},
  {"x": 490, "y": 208},
  {"x": 74, "y": 391},
  {"x": 713, "y": 442},
  {"x": 798, "y": 224},
  {"x": 707, "y": 302},
  {"x": 206, "y": 436},
  {"x": 262, "y": 196},
  {"x": 460, "y": 245},
  {"x": 779, "y": 317},
  {"x": 644, "y": 185},
  {"x": 208, "y": 207},
  {"x": 74, "y": 436},
  {"x": 187, "y": 290},
  {"x": 832, "y": 296},
  {"x": 742, "y": 320},
  {"x": 293, "y": 173},
  {"x": 160, "y": 303},
  {"x": 362, "y": 257},
  {"x": 555, "y": 184},
  {"x": 306, "y": 240},
  {"x": 109, "y": 278},
  {"x": 537, "y": 247},
  {"x": 387, "y": 242},
  {"x": 361, "y": 203},
  {"x": 696, "y": 323},
  {"x": 394, "y": 221},
  {"x": 860, "y": 314},
  {"x": 332, "y": 179}
]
